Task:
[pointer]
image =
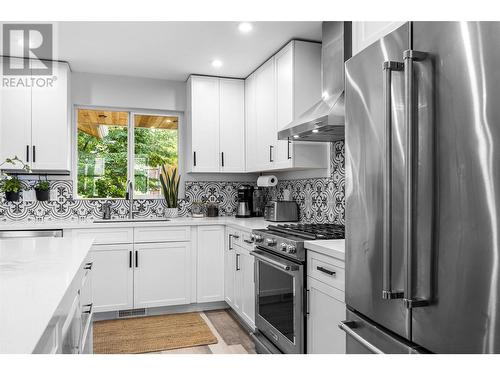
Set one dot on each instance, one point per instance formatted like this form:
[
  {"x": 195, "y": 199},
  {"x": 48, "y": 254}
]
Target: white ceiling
[{"x": 173, "y": 50}]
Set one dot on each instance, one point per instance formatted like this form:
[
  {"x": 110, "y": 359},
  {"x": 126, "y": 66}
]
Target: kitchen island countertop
[{"x": 35, "y": 274}]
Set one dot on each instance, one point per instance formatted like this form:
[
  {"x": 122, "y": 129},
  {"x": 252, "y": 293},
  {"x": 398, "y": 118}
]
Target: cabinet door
[
  {"x": 162, "y": 274},
  {"x": 229, "y": 274},
  {"x": 232, "y": 125},
  {"x": 284, "y": 103},
  {"x": 251, "y": 125},
  {"x": 205, "y": 124},
  {"x": 50, "y": 122},
  {"x": 210, "y": 278},
  {"x": 246, "y": 273},
  {"x": 15, "y": 121},
  {"x": 112, "y": 277},
  {"x": 265, "y": 115},
  {"x": 326, "y": 310}
]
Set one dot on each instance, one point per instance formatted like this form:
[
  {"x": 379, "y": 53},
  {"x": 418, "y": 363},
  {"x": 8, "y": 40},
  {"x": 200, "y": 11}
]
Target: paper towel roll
[{"x": 266, "y": 181}]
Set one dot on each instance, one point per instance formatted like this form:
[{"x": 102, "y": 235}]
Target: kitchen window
[{"x": 115, "y": 146}]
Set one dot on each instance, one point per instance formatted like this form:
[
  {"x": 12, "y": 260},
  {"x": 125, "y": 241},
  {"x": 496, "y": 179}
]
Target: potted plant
[
  {"x": 11, "y": 186},
  {"x": 170, "y": 187},
  {"x": 42, "y": 190}
]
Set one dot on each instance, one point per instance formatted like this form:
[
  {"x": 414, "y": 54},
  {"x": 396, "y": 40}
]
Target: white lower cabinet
[
  {"x": 162, "y": 274},
  {"x": 210, "y": 264},
  {"x": 246, "y": 275},
  {"x": 326, "y": 310},
  {"x": 239, "y": 283},
  {"x": 112, "y": 277}
]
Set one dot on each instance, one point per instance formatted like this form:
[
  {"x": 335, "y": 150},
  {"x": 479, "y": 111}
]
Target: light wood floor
[{"x": 231, "y": 337}]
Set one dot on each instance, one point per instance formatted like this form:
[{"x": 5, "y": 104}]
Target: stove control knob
[
  {"x": 258, "y": 238},
  {"x": 270, "y": 241},
  {"x": 290, "y": 249},
  {"x": 283, "y": 246}
]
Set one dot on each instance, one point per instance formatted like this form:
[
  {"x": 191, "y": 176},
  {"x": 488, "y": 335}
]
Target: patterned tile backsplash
[{"x": 320, "y": 199}]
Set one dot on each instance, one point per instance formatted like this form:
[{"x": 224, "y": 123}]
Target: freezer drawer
[{"x": 364, "y": 337}]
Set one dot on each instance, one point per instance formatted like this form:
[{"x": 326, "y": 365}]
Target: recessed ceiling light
[
  {"x": 245, "y": 27},
  {"x": 315, "y": 130},
  {"x": 216, "y": 63},
  {"x": 295, "y": 136}
]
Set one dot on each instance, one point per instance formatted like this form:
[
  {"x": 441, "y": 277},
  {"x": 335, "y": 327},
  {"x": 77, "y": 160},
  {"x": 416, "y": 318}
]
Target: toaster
[{"x": 281, "y": 211}]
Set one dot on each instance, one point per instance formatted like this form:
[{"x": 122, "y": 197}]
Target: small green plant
[
  {"x": 12, "y": 185},
  {"x": 170, "y": 186},
  {"x": 42, "y": 186}
]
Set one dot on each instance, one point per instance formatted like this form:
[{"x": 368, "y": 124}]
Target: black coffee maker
[{"x": 245, "y": 201}]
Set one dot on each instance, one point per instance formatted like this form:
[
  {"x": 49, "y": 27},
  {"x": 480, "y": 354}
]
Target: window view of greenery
[
  {"x": 155, "y": 144},
  {"x": 102, "y": 153},
  {"x": 103, "y": 156}
]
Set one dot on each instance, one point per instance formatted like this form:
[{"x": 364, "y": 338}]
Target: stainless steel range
[{"x": 280, "y": 288}]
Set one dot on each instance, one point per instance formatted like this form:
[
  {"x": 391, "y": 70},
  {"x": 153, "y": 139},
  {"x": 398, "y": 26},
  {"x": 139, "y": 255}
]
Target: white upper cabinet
[
  {"x": 265, "y": 115},
  {"x": 33, "y": 120},
  {"x": 366, "y": 33},
  {"x": 215, "y": 125},
  {"x": 232, "y": 125},
  {"x": 284, "y": 87},
  {"x": 50, "y": 116},
  {"x": 15, "y": 121},
  {"x": 204, "y": 123}
]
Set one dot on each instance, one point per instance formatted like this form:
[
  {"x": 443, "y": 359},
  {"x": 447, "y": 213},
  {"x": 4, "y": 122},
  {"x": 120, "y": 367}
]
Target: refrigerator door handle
[
  {"x": 409, "y": 57},
  {"x": 387, "y": 290},
  {"x": 347, "y": 326}
]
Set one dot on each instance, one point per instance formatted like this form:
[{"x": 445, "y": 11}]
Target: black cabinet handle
[
  {"x": 222, "y": 155},
  {"x": 27, "y": 153},
  {"x": 89, "y": 311},
  {"x": 34, "y": 154},
  {"x": 194, "y": 158},
  {"x": 288, "y": 148},
  {"x": 230, "y": 243},
  {"x": 237, "y": 262},
  {"x": 324, "y": 270},
  {"x": 130, "y": 259},
  {"x": 88, "y": 266},
  {"x": 248, "y": 241},
  {"x": 271, "y": 153},
  {"x": 136, "y": 259}
]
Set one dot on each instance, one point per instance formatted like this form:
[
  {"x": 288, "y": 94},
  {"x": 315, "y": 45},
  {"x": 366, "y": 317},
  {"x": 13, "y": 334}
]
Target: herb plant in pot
[
  {"x": 12, "y": 188},
  {"x": 170, "y": 187},
  {"x": 42, "y": 190}
]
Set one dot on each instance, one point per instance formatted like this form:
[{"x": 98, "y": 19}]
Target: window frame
[{"x": 130, "y": 143}]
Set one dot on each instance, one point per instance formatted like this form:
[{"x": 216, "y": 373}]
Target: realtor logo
[{"x": 31, "y": 42}]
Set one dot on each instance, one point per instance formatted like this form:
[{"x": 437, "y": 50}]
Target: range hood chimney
[{"x": 324, "y": 121}]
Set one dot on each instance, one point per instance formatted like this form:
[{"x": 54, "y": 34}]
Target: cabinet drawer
[
  {"x": 103, "y": 236},
  {"x": 326, "y": 269},
  {"x": 162, "y": 234}
]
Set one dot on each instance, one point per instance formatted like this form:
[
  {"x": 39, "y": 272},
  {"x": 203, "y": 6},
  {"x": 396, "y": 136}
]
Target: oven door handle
[{"x": 273, "y": 261}]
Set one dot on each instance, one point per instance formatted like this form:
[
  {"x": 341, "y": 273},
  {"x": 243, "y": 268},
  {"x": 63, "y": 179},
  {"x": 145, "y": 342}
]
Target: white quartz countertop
[
  {"x": 333, "y": 248},
  {"x": 242, "y": 223},
  {"x": 34, "y": 276}
]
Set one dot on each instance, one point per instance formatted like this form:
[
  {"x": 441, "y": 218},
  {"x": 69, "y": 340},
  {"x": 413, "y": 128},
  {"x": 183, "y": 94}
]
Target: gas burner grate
[{"x": 311, "y": 231}]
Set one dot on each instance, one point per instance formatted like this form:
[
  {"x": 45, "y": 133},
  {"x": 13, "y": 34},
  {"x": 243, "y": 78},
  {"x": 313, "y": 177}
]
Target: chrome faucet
[{"x": 129, "y": 195}]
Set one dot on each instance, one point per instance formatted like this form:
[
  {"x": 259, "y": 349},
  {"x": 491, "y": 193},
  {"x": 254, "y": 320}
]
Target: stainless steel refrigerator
[{"x": 423, "y": 191}]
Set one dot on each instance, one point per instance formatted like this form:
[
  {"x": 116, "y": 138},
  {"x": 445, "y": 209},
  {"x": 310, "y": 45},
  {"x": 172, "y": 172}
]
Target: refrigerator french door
[{"x": 423, "y": 190}]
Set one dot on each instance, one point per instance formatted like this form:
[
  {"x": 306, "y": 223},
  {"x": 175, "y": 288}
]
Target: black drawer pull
[
  {"x": 88, "y": 266},
  {"x": 327, "y": 271}
]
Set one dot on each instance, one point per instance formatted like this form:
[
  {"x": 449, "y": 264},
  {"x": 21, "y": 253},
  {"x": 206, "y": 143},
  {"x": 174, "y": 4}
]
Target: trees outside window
[{"x": 103, "y": 152}]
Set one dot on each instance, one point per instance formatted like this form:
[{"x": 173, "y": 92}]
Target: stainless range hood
[{"x": 324, "y": 121}]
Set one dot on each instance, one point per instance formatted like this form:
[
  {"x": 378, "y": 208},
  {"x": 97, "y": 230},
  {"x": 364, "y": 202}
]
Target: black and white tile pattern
[{"x": 321, "y": 200}]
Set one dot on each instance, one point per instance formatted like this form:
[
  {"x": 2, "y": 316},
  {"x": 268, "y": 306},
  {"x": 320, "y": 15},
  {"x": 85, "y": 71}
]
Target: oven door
[{"x": 279, "y": 290}]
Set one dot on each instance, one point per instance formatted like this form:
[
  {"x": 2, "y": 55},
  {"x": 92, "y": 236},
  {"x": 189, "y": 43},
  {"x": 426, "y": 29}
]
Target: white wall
[{"x": 127, "y": 92}]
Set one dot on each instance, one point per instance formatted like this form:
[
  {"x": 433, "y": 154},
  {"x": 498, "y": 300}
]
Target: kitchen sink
[{"x": 134, "y": 220}]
